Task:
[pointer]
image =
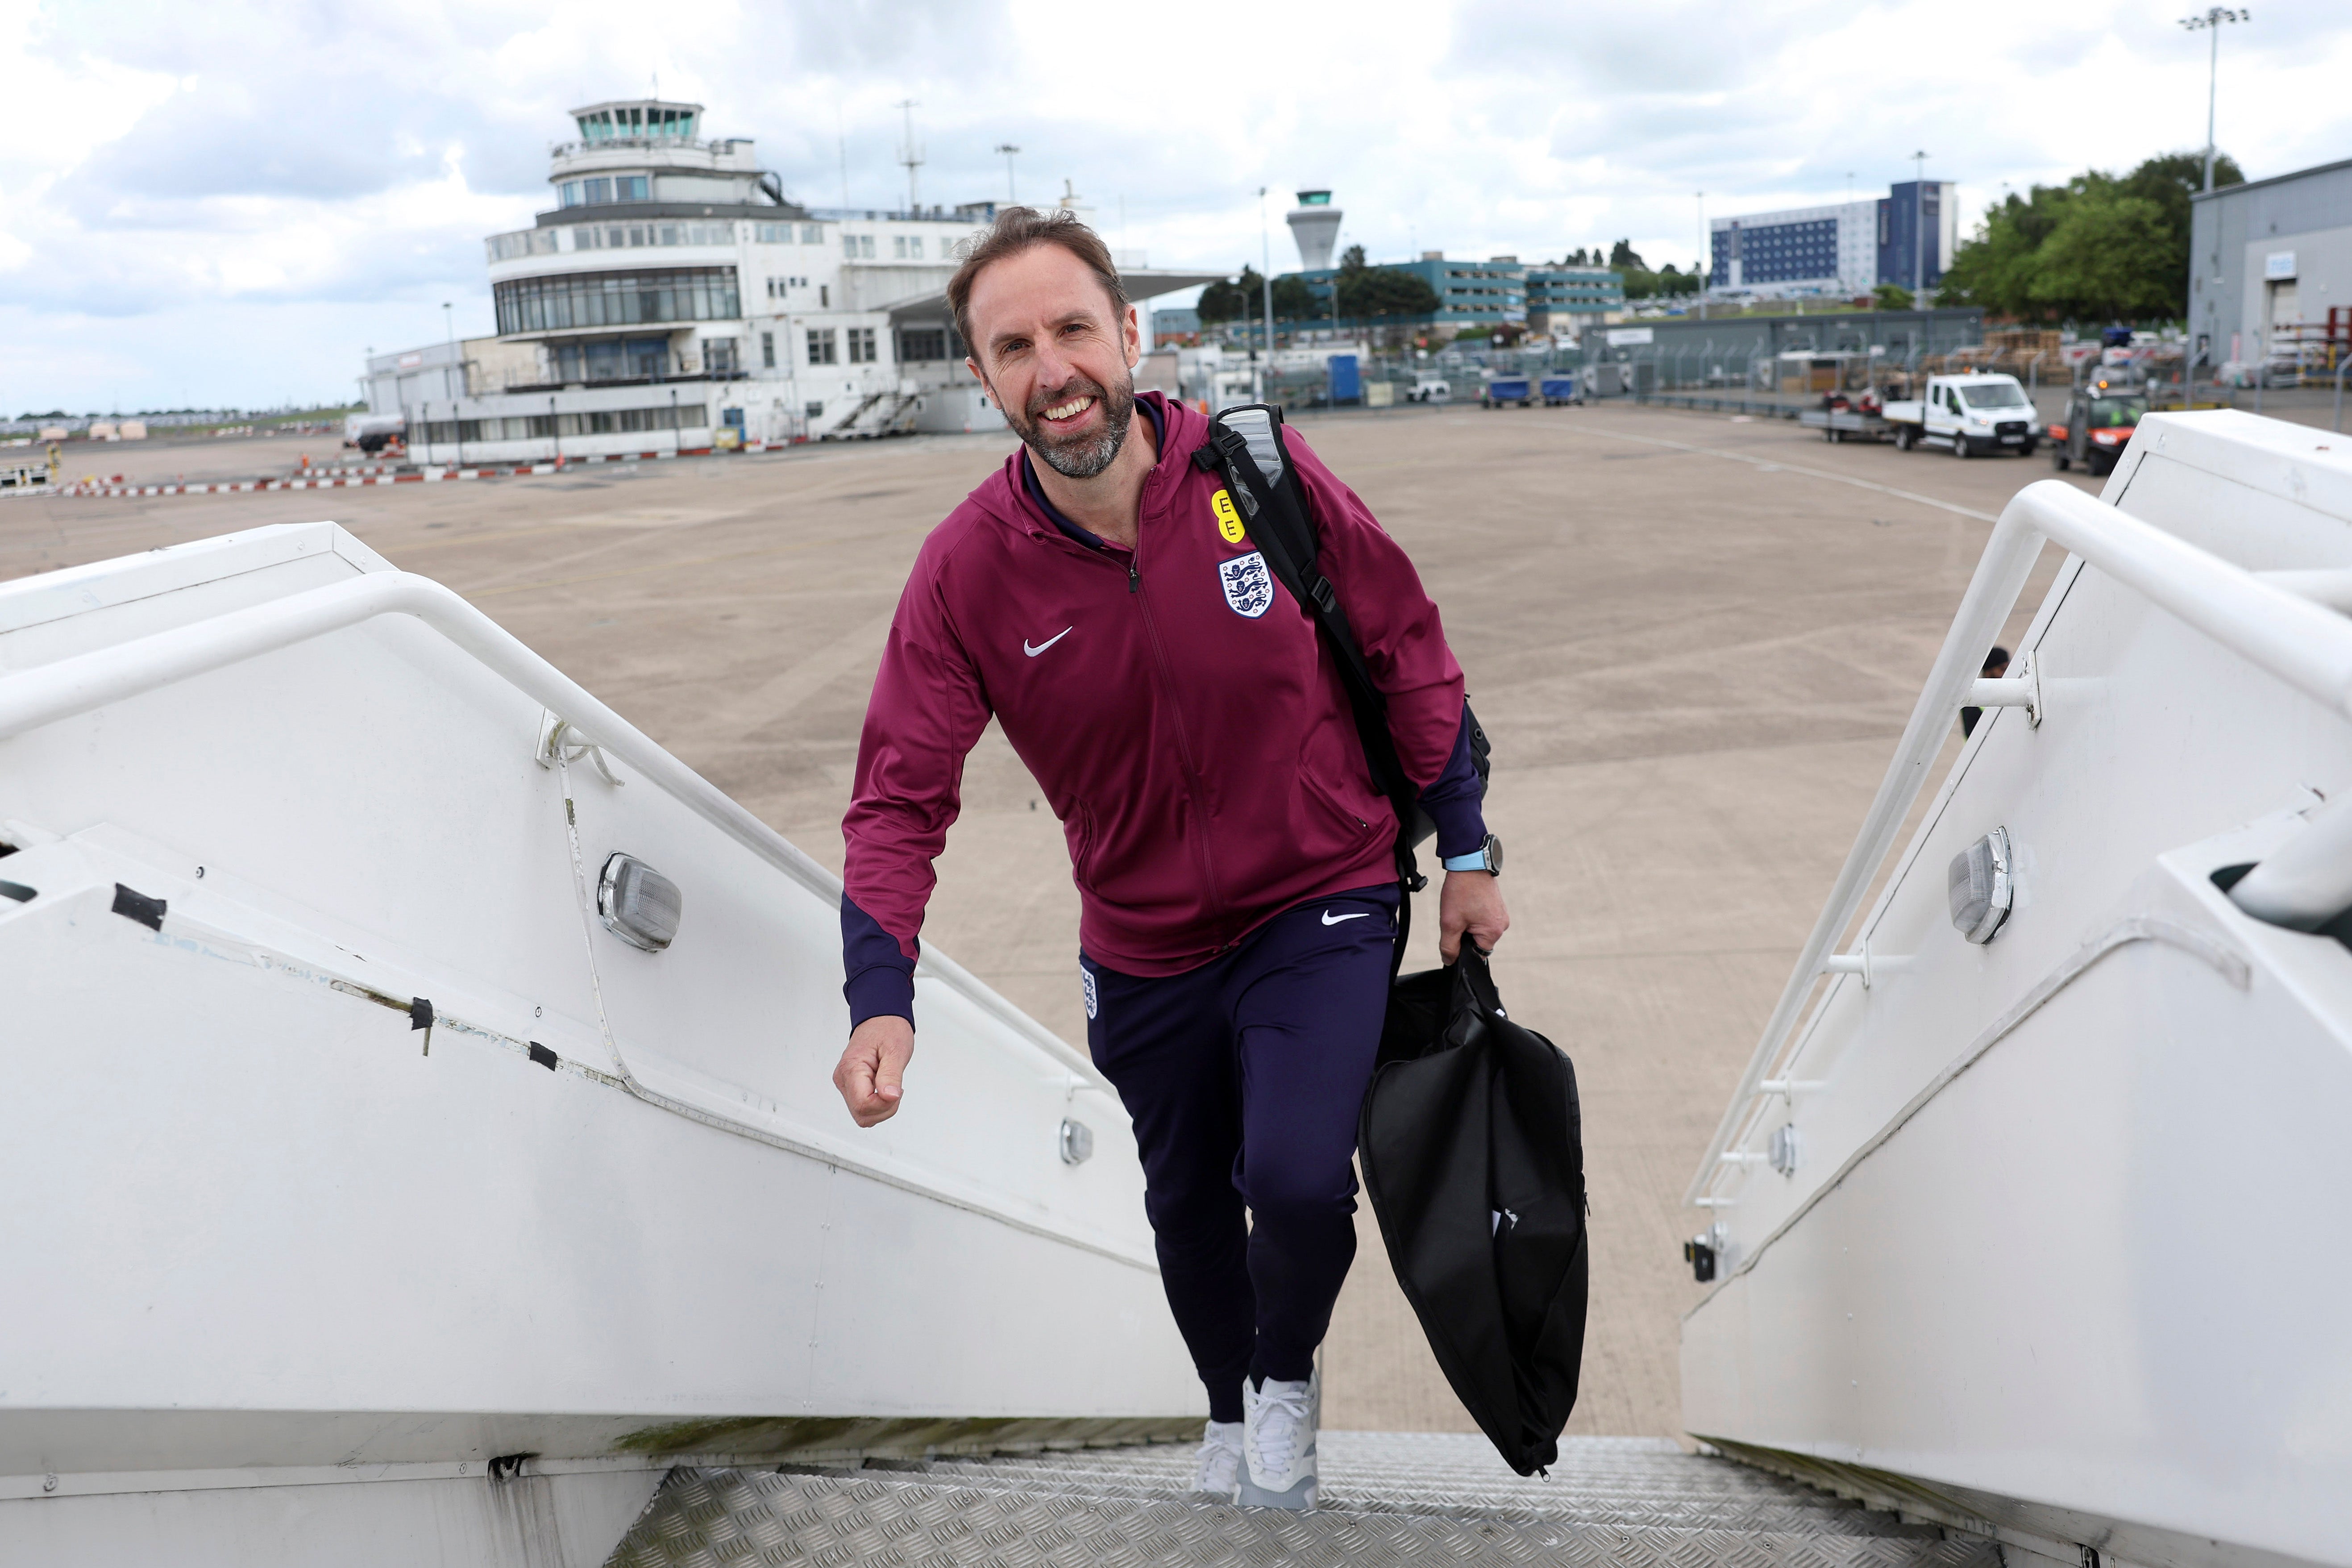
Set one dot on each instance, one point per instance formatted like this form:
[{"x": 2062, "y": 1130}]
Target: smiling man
[{"x": 1234, "y": 863}]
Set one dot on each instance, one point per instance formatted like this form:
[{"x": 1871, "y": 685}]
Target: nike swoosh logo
[
  {"x": 1332, "y": 920},
  {"x": 1033, "y": 651}
]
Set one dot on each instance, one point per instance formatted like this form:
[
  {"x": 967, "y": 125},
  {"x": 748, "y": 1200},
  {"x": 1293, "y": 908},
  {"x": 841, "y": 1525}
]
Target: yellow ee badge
[{"x": 1229, "y": 521}]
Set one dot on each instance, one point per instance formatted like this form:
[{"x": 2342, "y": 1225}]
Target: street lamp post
[
  {"x": 1706, "y": 257},
  {"x": 1918, "y": 229},
  {"x": 1265, "y": 285},
  {"x": 456, "y": 413},
  {"x": 1009, "y": 152}
]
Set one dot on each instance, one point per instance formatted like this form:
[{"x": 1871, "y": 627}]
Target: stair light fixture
[
  {"x": 1982, "y": 888},
  {"x": 639, "y": 904}
]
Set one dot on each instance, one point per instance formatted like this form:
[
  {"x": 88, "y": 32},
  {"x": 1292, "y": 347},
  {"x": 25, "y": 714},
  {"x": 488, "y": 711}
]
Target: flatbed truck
[{"x": 1969, "y": 417}]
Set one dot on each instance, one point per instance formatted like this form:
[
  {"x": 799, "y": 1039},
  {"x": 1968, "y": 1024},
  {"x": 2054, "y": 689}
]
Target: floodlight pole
[
  {"x": 1012, "y": 197},
  {"x": 2211, "y": 22}
]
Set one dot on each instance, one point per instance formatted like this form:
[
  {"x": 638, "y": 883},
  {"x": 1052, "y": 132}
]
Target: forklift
[{"x": 2100, "y": 418}]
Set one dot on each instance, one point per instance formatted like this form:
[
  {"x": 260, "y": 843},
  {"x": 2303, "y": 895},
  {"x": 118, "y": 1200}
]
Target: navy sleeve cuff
[
  {"x": 1456, "y": 802},
  {"x": 881, "y": 991},
  {"x": 881, "y": 981},
  {"x": 1461, "y": 825}
]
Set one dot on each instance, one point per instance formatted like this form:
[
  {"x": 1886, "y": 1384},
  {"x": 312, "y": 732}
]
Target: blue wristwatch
[{"x": 1486, "y": 858}]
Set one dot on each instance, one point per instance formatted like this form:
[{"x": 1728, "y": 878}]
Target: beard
[{"x": 1078, "y": 457}]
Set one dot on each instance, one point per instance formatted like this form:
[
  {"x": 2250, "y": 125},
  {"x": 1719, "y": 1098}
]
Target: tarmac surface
[{"x": 1693, "y": 638}]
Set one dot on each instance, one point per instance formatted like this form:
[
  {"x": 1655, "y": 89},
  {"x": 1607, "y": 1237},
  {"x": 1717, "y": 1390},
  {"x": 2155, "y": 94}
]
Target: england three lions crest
[{"x": 1249, "y": 586}]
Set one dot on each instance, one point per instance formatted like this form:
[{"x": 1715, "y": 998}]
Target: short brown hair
[{"x": 1014, "y": 231}]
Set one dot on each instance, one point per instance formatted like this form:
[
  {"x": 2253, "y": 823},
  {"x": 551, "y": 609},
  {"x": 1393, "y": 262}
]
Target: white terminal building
[{"x": 676, "y": 297}]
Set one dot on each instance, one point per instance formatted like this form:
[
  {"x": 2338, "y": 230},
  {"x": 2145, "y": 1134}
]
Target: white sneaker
[
  {"x": 1221, "y": 1460},
  {"x": 1278, "y": 1423}
]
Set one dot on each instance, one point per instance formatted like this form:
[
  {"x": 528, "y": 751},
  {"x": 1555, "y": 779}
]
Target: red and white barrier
[{"x": 389, "y": 476}]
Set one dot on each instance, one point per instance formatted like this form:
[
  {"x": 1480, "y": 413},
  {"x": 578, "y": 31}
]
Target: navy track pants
[{"x": 1244, "y": 1078}]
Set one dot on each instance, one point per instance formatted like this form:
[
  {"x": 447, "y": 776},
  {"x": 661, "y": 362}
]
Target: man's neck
[{"x": 1108, "y": 504}]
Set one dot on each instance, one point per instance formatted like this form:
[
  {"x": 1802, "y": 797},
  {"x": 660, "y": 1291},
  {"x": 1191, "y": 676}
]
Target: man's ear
[{"x": 1131, "y": 332}]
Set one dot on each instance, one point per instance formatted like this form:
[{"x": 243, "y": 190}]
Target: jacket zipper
[{"x": 1216, "y": 901}]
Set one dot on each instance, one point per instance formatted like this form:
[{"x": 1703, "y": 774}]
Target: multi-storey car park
[{"x": 676, "y": 293}]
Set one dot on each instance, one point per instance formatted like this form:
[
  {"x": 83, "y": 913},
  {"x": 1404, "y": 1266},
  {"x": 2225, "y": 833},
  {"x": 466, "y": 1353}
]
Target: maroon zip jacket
[{"x": 1184, "y": 720}]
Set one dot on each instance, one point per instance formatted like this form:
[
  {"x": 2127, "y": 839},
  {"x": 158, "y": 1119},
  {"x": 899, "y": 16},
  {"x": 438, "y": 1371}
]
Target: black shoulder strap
[{"x": 1275, "y": 513}]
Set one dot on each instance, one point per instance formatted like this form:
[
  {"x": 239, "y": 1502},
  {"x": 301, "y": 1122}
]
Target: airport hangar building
[
  {"x": 2270, "y": 269},
  {"x": 1905, "y": 237},
  {"x": 675, "y": 293}
]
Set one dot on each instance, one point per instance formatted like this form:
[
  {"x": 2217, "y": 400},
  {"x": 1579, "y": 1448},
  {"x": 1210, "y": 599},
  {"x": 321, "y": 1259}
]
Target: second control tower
[{"x": 1315, "y": 224}]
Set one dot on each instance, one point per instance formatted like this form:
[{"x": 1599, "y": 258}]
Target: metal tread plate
[
  {"x": 731, "y": 1519},
  {"x": 1570, "y": 1503}
]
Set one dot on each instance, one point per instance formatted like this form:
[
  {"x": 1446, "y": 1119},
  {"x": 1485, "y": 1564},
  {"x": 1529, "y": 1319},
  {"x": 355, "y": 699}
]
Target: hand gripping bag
[{"x": 1472, "y": 1146}]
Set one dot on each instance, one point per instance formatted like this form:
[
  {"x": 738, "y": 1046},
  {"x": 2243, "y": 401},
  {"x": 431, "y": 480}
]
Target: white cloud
[{"x": 229, "y": 203}]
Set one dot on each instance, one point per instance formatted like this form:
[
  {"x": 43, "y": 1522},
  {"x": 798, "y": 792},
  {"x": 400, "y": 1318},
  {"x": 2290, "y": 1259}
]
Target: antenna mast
[{"x": 911, "y": 155}]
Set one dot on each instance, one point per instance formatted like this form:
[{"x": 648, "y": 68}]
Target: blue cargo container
[
  {"x": 1347, "y": 384},
  {"x": 1506, "y": 389},
  {"x": 1559, "y": 389}
]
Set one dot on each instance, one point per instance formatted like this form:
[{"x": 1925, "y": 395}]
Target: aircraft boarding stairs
[
  {"x": 419, "y": 1144},
  {"x": 1387, "y": 1498},
  {"x": 888, "y": 413}
]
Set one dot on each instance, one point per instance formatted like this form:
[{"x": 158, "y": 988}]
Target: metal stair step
[
  {"x": 1491, "y": 1491},
  {"x": 706, "y": 1518}
]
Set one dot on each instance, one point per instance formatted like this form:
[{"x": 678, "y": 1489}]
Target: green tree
[
  {"x": 2126, "y": 250},
  {"x": 1224, "y": 301},
  {"x": 1352, "y": 259},
  {"x": 1892, "y": 297},
  {"x": 2108, "y": 258},
  {"x": 1294, "y": 300},
  {"x": 1385, "y": 291},
  {"x": 1623, "y": 255}
]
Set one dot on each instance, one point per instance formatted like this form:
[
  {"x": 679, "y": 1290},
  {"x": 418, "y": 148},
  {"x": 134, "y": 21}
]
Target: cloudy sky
[{"x": 229, "y": 203}]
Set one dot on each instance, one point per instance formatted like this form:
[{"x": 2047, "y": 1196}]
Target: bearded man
[{"x": 1234, "y": 863}]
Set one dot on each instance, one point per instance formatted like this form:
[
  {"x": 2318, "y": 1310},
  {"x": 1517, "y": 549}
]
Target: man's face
[{"x": 1055, "y": 357}]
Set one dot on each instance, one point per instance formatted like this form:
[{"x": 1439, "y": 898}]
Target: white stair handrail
[
  {"x": 2280, "y": 631},
  {"x": 48, "y": 692}
]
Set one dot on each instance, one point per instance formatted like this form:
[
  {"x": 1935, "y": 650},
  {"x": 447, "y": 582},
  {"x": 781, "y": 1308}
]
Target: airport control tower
[{"x": 1315, "y": 224}]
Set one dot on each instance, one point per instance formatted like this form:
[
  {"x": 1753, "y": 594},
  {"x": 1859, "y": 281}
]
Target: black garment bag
[{"x": 1473, "y": 1152}]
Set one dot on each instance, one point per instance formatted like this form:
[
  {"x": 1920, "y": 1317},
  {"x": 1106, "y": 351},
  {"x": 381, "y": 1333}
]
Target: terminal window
[
  {"x": 821, "y": 346},
  {"x": 856, "y": 246},
  {"x": 861, "y": 346},
  {"x": 767, "y": 350},
  {"x": 923, "y": 345},
  {"x": 597, "y": 192},
  {"x": 615, "y": 299}
]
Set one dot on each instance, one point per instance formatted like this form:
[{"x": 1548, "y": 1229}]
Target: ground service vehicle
[
  {"x": 1503, "y": 389},
  {"x": 1969, "y": 415},
  {"x": 1559, "y": 389},
  {"x": 1430, "y": 389},
  {"x": 2099, "y": 422}
]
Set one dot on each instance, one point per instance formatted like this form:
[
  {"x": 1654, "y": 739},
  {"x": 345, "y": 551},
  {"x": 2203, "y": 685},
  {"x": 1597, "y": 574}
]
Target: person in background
[{"x": 1996, "y": 665}]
